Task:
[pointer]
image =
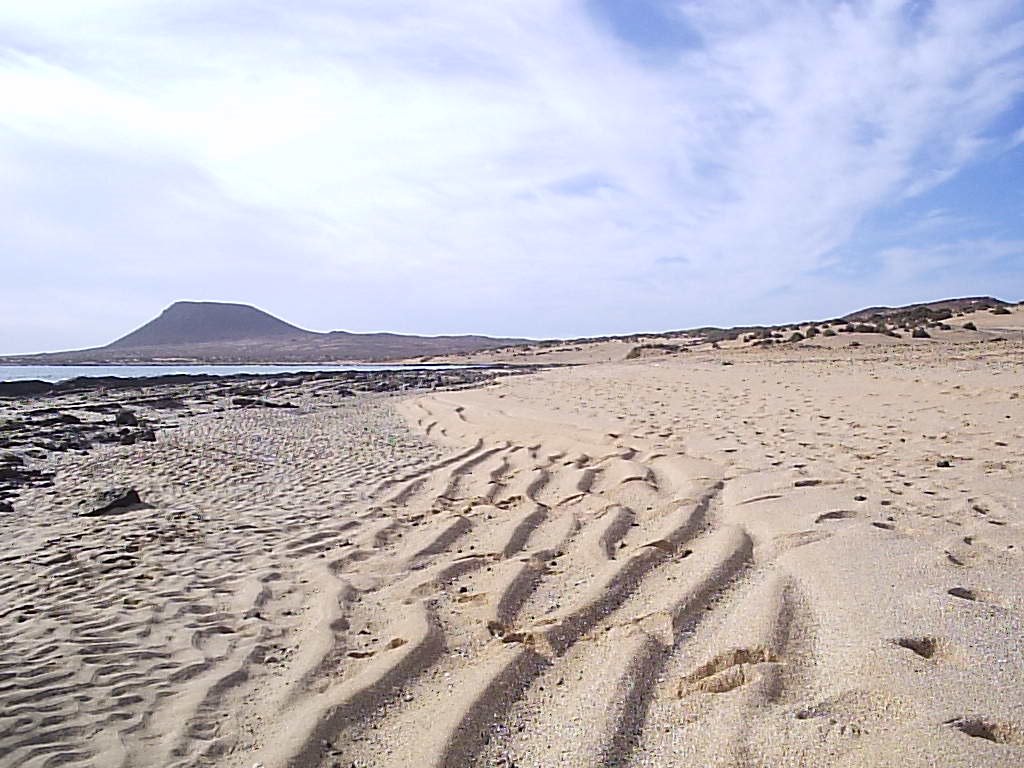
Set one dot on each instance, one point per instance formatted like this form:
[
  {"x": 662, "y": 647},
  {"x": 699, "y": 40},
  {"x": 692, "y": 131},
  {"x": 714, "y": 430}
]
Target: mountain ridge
[
  {"x": 225, "y": 332},
  {"x": 229, "y": 333}
]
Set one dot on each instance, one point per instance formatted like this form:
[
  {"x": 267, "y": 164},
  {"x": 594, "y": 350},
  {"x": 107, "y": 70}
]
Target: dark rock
[
  {"x": 110, "y": 502},
  {"x": 6, "y": 507},
  {"x": 76, "y": 443},
  {"x": 963, "y": 593},
  {"x": 126, "y": 418},
  {"x": 943, "y": 463},
  {"x": 250, "y": 402},
  {"x": 147, "y": 435},
  {"x": 63, "y": 418},
  {"x": 24, "y": 388},
  {"x": 163, "y": 403},
  {"x": 101, "y": 408},
  {"x": 128, "y": 439}
]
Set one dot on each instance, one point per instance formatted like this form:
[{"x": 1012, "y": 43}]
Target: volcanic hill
[
  {"x": 216, "y": 332},
  {"x": 201, "y": 322}
]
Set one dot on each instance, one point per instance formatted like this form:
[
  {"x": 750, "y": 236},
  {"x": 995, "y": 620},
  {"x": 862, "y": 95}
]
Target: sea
[{"x": 56, "y": 373}]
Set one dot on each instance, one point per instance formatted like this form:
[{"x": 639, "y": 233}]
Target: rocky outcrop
[
  {"x": 89, "y": 414},
  {"x": 109, "y": 502}
]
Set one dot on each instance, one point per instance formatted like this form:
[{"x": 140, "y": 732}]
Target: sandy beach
[
  {"x": 781, "y": 557},
  {"x": 589, "y": 384}
]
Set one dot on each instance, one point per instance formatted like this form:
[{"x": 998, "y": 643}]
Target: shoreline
[
  {"x": 42, "y": 419},
  {"x": 393, "y": 376}
]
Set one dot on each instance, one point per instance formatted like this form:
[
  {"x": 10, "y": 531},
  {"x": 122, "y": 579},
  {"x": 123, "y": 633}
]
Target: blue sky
[{"x": 512, "y": 167}]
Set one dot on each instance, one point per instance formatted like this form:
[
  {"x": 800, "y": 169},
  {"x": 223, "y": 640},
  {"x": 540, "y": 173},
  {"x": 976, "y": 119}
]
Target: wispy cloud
[{"x": 516, "y": 167}]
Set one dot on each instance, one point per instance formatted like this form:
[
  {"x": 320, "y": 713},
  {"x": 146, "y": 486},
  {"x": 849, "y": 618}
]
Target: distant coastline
[
  {"x": 218, "y": 333},
  {"x": 57, "y": 373}
]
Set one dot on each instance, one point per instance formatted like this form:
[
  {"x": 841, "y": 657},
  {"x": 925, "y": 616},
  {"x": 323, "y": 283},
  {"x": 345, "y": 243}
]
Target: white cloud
[
  {"x": 432, "y": 146},
  {"x": 941, "y": 262}
]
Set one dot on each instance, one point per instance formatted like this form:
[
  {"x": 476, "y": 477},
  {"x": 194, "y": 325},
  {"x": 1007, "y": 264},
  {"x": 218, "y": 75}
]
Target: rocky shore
[{"x": 40, "y": 418}]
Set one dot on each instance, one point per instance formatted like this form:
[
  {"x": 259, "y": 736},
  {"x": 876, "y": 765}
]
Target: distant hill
[
  {"x": 197, "y": 322},
  {"x": 967, "y": 304},
  {"x": 215, "y": 332}
]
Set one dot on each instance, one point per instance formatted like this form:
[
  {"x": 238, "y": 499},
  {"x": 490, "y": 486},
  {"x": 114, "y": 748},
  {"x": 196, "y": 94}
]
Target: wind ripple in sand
[
  {"x": 597, "y": 599},
  {"x": 567, "y": 567},
  {"x": 127, "y": 639}
]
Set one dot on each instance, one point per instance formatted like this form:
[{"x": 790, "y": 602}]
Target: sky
[{"x": 540, "y": 168}]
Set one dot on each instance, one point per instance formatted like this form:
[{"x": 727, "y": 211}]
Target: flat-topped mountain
[
  {"x": 197, "y": 322},
  {"x": 216, "y": 332}
]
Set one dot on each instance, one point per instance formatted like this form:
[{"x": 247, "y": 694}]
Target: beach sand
[{"x": 789, "y": 557}]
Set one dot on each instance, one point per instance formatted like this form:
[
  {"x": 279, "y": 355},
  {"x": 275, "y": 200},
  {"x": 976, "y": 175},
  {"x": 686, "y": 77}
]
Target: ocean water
[{"x": 63, "y": 372}]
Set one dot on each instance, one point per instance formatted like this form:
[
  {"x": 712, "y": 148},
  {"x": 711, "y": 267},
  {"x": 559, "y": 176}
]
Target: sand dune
[{"x": 648, "y": 564}]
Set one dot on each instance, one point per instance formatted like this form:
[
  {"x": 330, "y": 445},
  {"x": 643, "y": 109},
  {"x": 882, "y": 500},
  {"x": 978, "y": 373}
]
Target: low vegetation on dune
[
  {"x": 645, "y": 350},
  {"x": 914, "y": 320}
]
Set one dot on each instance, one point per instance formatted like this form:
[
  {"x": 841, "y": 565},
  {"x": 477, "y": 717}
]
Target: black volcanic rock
[
  {"x": 197, "y": 322},
  {"x": 251, "y": 402},
  {"x": 28, "y": 388},
  {"x": 126, "y": 418},
  {"x": 110, "y": 502}
]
